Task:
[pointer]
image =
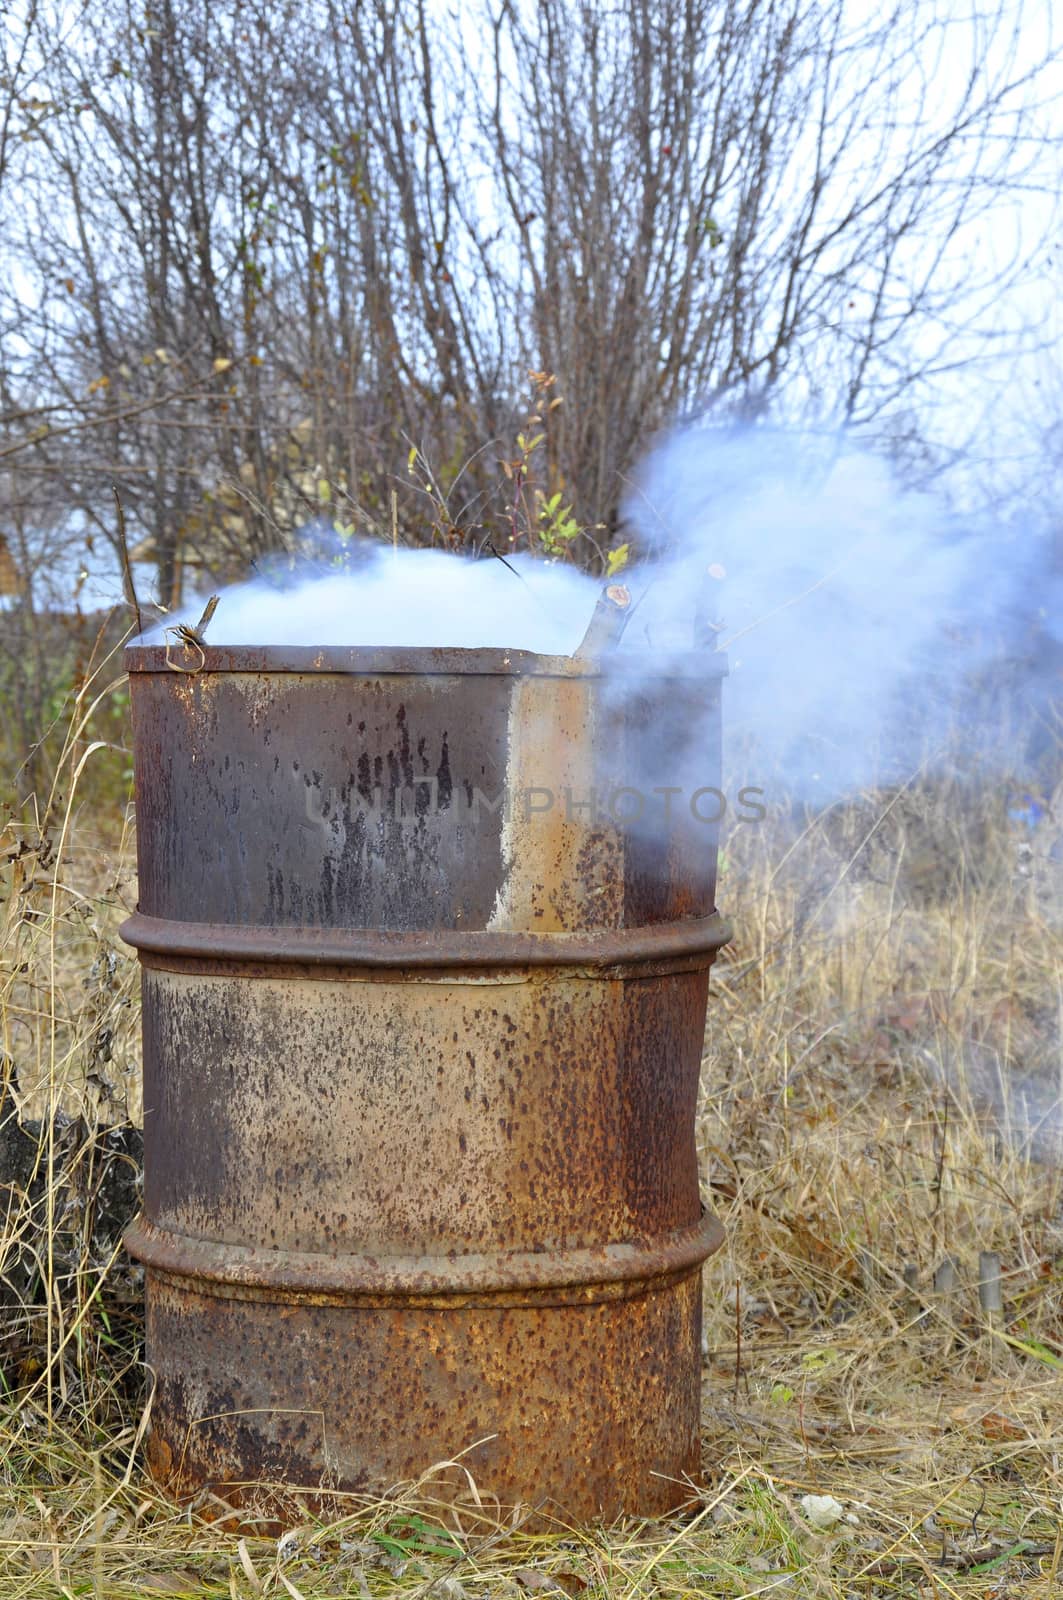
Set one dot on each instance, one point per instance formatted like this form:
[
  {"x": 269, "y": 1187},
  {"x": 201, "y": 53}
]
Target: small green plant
[
  {"x": 557, "y": 527},
  {"x": 413, "y": 1536}
]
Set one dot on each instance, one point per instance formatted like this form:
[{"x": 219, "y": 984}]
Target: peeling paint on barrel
[{"x": 419, "y": 1085}]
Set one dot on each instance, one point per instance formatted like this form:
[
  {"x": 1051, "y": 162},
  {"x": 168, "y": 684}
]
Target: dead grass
[{"x": 881, "y": 1096}]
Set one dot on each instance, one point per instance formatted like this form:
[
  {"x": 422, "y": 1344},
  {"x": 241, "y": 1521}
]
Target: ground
[{"x": 879, "y": 1131}]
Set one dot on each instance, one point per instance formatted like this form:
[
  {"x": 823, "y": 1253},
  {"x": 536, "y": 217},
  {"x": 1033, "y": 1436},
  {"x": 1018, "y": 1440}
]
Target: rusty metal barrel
[{"x": 425, "y": 941}]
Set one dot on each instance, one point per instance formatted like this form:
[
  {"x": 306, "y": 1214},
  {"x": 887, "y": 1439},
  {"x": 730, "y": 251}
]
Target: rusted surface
[
  {"x": 511, "y": 1277},
  {"x": 354, "y": 948},
  {"x": 586, "y": 1410},
  {"x": 420, "y": 1071},
  {"x": 699, "y": 666},
  {"x": 409, "y": 1119},
  {"x": 310, "y": 797}
]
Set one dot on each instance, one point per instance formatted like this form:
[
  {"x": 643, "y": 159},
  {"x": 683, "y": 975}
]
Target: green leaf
[
  {"x": 1003, "y": 1558},
  {"x": 414, "y": 1536},
  {"x": 617, "y": 560},
  {"x": 1033, "y": 1347},
  {"x": 396, "y": 1548}
]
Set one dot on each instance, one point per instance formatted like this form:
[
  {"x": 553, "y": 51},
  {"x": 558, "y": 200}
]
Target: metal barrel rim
[
  {"x": 595, "y": 1272},
  {"x": 372, "y": 661},
  {"x": 691, "y": 937}
]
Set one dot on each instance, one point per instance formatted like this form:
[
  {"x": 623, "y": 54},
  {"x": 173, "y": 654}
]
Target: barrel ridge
[{"x": 596, "y": 1273}]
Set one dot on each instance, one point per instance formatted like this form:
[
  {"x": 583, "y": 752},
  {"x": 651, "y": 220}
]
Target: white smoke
[
  {"x": 413, "y": 598},
  {"x": 856, "y": 614},
  {"x": 863, "y": 621}
]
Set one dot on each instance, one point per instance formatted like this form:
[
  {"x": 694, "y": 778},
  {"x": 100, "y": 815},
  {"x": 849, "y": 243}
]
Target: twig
[
  {"x": 500, "y": 557},
  {"x": 208, "y": 611},
  {"x": 193, "y": 638},
  {"x": 128, "y": 587},
  {"x": 518, "y": 483},
  {"x": 488, "y": 545}
]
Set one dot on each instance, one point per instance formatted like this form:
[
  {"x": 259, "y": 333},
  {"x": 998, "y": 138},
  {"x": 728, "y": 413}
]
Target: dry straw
[{"x": 878, "y": 1127}]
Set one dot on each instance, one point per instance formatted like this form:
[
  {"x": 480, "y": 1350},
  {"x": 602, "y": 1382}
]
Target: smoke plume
[
  {"x": 865, "y": 623},
  {"x": 862, "y": 620}
]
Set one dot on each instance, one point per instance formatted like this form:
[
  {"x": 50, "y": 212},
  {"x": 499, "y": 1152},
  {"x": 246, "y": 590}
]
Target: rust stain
[
  {"x": 562, "y": 859},
  {"x": 585, "y": 1410},
  {"x": 420, "y": 1077}
]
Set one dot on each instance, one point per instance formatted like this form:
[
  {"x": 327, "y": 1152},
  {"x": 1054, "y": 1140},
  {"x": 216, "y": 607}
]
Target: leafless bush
[{"x": 265, "y": 252}]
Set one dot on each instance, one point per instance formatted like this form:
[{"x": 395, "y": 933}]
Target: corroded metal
[
  {"x": 645, "y": 948},
  {"x": 423, "y": 1010}
]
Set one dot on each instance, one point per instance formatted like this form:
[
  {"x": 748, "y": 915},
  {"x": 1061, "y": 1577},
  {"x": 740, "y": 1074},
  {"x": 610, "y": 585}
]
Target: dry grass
[{"x": 881, "y": 1096}]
